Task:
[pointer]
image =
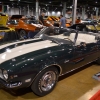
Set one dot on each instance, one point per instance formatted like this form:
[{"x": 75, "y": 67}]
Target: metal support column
[
  {"x": 2, "y": 8},
  {"x": 8, "y": 9},
  {"x": 74, "y": 11},
  {"x": 83, "y": 12},
  {"x": 47, "y": 11},
  {"x": 19, "y": 10},
  {"x": 64, "y": 9},
  {"x": 28, "y": 13},
  {"x": 97, "y": 13},
  {"x": 37, "y": 9},
  {"x": 25, "y": 11}
]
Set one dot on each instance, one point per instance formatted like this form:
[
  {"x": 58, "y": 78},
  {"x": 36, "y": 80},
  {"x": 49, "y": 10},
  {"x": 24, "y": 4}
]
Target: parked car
[
  {"x": 24, "y": 25},
  {"x": 53, "y": 21},
  {"x": 86, "y": 27},
  {"x": 39, "y": 62},
  {"x": 3, "y": 22}
]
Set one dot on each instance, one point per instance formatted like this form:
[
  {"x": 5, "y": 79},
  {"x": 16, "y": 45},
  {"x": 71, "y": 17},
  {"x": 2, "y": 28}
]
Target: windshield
[
  {"x": 13, "y": 22},
  {"x": 56, "y": 34},
  {"x": 28, "y": 21}
]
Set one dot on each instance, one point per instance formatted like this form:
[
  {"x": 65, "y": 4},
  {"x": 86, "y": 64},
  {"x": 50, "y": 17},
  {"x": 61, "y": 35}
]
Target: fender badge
[{"x": 28, "y": 80}]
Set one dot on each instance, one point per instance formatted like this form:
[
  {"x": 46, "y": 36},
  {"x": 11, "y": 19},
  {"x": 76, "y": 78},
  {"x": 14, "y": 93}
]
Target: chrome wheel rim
[
  {"x": 48, "y": 80},
  {"x": 22, "y": 34}
]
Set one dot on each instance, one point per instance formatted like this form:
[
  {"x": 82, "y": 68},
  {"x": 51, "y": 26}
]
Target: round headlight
[{"x": 5, "y": 74}]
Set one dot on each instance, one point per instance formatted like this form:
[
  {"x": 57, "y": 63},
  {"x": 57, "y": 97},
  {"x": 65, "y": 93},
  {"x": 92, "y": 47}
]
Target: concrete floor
[{"x": 78, "y": 85}]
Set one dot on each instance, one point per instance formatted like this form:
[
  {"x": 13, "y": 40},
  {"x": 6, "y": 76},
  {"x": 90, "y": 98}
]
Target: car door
[
  {"x": 72, "y": 58},
  {"x": 86, "y": 52},
  {"x": 80, "y": 55}
]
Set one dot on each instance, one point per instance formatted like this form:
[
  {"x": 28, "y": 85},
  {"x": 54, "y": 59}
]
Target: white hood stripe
[
  {"x": 5, "y": 45},
  {"x": 24, "y": 49}
]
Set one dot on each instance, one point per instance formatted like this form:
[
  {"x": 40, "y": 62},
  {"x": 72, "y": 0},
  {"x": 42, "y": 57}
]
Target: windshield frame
[{"x": 56, "y": 38}]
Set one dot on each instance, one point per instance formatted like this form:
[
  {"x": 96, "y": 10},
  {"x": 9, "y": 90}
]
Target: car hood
[
  {"x": 12, "y": 53},
  {"x": 3, "y": 20}
]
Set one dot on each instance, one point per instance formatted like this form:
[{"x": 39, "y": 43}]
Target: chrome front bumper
[{"x": 10, "y": 85}]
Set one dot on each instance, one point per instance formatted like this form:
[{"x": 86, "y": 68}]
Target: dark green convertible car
[{"x": 38, "y": 62}]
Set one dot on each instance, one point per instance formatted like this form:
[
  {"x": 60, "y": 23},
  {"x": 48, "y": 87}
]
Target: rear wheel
[
  {"x": 45, "y": 81},
  {"x": 22, "y": 34}
]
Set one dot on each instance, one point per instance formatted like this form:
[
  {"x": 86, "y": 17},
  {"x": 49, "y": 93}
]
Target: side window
[{"x": 13, "y": 22}]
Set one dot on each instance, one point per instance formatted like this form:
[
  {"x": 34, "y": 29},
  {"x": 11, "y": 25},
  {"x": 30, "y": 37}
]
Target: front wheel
[{"x": 45, "y": 81}]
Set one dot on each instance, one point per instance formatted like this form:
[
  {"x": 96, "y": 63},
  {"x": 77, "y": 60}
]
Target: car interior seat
[{"x": 87, "y": 38}]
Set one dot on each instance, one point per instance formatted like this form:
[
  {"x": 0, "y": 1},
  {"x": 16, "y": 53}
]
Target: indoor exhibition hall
[{"x": 49, "y": 49}]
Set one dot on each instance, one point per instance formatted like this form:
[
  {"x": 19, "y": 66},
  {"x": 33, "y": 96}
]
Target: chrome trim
[
  {"x": 48, "y": 80},
  {"x": 57, "y": 66},
  {"x": 77, "y": 68},
  {"x": 44, "y": 69}
]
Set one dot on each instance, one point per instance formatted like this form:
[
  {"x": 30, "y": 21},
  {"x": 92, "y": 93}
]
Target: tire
[
  {"x": 98, "y": 61},
  {"x": 45, "y": 81},
  {"x": 22, "y": 34}
]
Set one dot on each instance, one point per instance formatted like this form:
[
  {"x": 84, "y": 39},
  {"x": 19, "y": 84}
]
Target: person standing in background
[
  {"x": 62, "y": 22},
  {"x": 41, "y": 20}
]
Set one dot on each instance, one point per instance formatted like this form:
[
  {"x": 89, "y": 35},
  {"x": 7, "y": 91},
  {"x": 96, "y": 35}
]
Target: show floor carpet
[{"x": 78, "y": 85}]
